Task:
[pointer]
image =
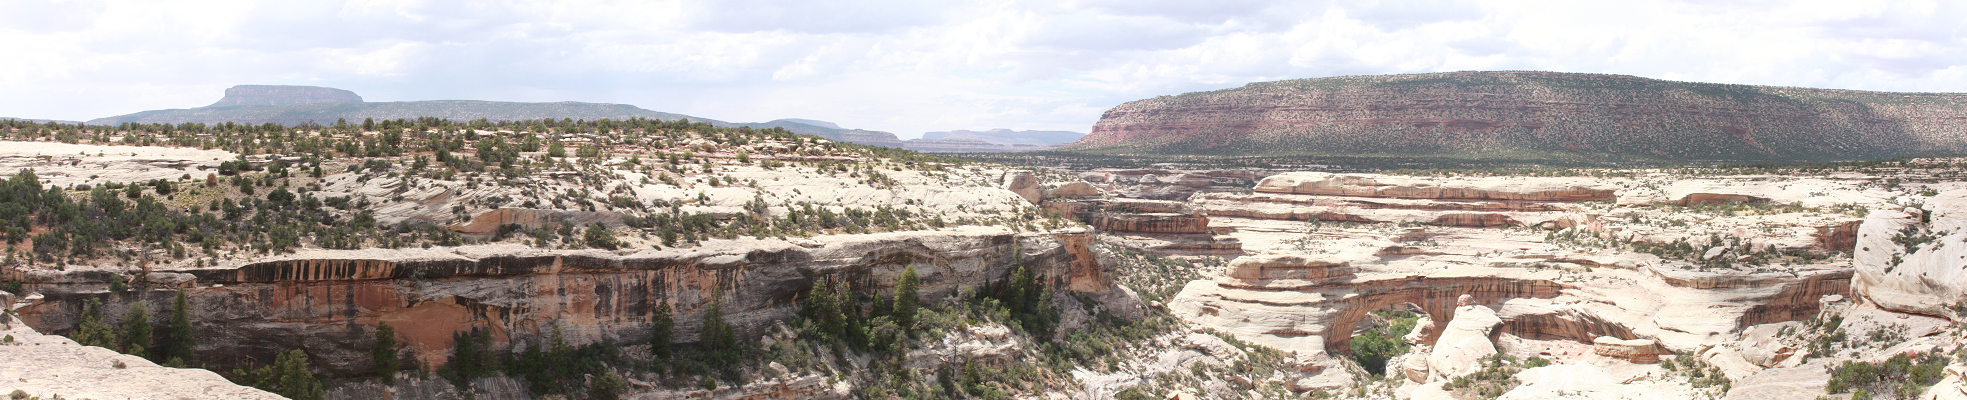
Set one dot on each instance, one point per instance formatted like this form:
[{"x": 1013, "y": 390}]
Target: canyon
[{"x": 1164, "y": 282}]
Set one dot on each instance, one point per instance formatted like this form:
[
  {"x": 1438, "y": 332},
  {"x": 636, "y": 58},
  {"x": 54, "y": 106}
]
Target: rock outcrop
[
  {"x": 1142, "y": 216},
  {"x": 66, "y": 165},
  {"x": 1178, "y": 185},
  {"x": 490, "y": 221},
  {"x": 1639, "y": 351},
  {"x": 1909, "y": 259},
  {"x": 1026, "y": 186},
  {"x": 1464, "y": 342},
  {"x": 1534, "y": 116},
  {"x": 47, "y": 365}
]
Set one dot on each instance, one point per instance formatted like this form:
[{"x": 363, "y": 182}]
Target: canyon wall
[
  {"x": 329, "y": 302},
  {"x": 1536, "y": 115}
]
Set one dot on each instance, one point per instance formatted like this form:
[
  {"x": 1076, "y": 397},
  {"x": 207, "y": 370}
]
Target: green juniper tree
[
  {"x": 134, "y": 335},
  {"x": 720, "y": 339},
  {"x": 606, "y": 386},
  {"x": 662, "y": 335},
  {"x": 907, "y": 298},
  {"x": 384, "y": 354},
  {"x": 93, "y": 331},
  {"x": 179, "y": 340},
  {"x": 287, "y": 377}
]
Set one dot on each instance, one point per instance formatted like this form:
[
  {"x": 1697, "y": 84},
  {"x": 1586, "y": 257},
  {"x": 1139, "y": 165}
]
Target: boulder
[
  {"x": 1463, "y": 342},
  {"x": 1638, "y": 351},
  {"x": 1074, "y": 189},
  {"x": 1026, "y": 186},
  {"x": 1761, "y": 344}
]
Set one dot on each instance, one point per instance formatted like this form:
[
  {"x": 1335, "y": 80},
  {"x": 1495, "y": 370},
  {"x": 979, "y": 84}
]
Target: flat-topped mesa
[
  {"x": 1370, "y": 185},
  {"x": 280, "y": 95}
]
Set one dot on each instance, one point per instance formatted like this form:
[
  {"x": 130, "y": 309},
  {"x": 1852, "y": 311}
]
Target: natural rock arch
[{"x": 1434, "y": 296}]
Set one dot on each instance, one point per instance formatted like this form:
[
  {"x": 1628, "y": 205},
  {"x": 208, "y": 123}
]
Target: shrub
[
  {"x": 606, "y": 386},
  {"x": 1903, "y": 375},
  {"x": 1373, "y": 348}
]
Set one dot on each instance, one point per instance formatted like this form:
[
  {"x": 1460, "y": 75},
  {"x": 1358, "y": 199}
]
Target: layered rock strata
[
  {"x": 1178, "y": 185},
  {"x": 1306, "y": 281},
  {"x": 323, "y": 301}
]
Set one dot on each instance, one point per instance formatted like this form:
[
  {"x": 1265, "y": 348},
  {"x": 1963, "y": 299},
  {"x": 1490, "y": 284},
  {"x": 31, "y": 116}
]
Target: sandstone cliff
[
  {"x": 1534, "y": 116},
  {"x": 323, "y": 301}
]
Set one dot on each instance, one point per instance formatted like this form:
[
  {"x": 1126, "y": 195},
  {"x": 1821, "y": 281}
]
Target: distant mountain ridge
[
  {"x": 1009, "y": 137},
  {"x": 294, "y": 105},
  {"x": 327, "y": 113},
  {"x": 829, "y": 130},
  {"x": 1528, "y": 115},
  {"x": 990, "y": 141}
]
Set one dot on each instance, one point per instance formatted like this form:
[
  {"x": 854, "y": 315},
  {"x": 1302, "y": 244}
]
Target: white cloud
[{"x": 910, "y": 66}]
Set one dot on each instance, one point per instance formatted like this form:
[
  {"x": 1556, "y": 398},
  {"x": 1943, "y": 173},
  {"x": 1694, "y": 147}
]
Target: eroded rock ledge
[{"x": 322, "y": 301}]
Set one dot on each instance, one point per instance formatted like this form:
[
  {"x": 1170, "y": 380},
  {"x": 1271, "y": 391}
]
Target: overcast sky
[{"x": 911, "y": 66}]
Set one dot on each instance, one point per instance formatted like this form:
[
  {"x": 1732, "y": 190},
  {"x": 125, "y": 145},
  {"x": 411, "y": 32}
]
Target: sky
[{"x": 912, "y": 66}]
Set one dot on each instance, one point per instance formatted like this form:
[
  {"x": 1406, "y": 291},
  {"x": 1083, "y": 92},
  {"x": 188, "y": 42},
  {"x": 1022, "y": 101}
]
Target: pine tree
[
  {"x": 719, "y": 337},
  {"x": 828, "y": 305},
  {"x": 907, "y": 298},
  {"x": 93, "y": 331},
  {"x": 289, "y": 377},
  {"x": 179, "y": 340},
  {"x": 134, "y": 338},
  {"x": 384, "y": 354},
  {"x": 662, "y": 334}
]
